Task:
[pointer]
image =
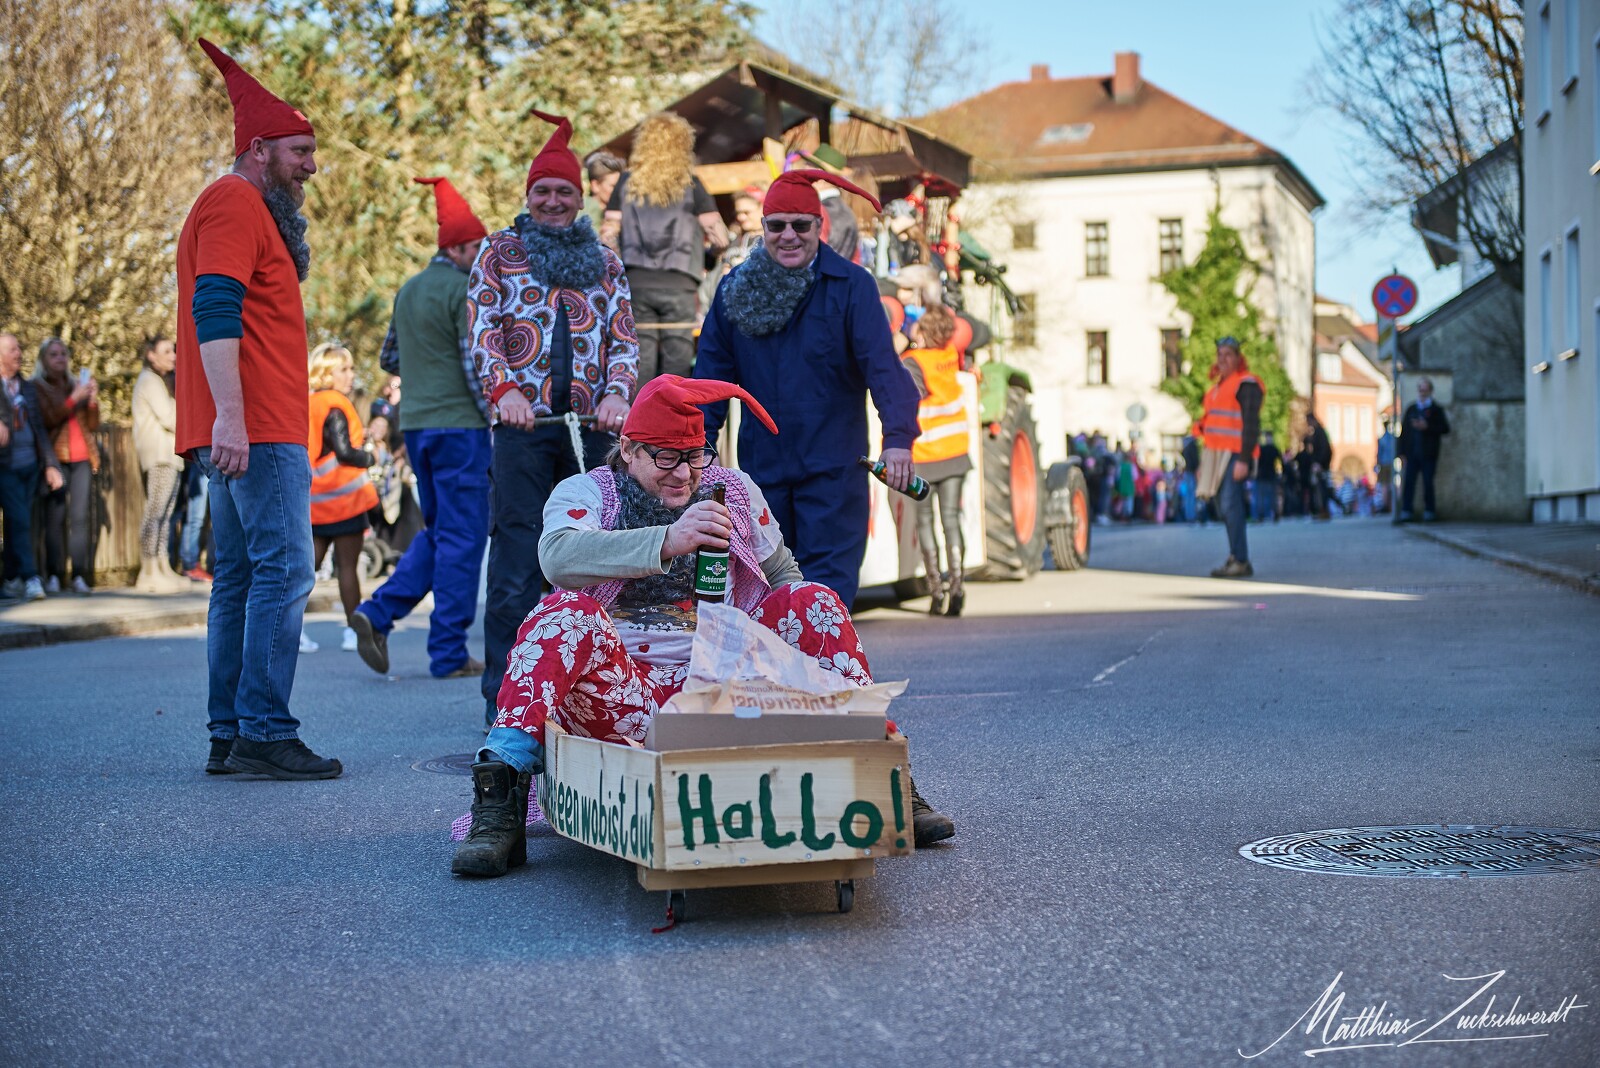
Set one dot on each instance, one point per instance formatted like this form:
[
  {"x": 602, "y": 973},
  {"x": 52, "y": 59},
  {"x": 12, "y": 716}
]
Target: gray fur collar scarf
[
  {"x": 761, "y": 294},
  {"x": 638, "y": 509},
  {"x": 570, "y": 257}
]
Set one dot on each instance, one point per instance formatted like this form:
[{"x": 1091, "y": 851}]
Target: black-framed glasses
[
  {"x": 667, "y": 459},
  {"x": 778, "y": 226}
]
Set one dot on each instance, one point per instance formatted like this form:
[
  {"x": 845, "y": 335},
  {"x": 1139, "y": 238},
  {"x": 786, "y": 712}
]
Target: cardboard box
[{"x": 731, "y": 806}]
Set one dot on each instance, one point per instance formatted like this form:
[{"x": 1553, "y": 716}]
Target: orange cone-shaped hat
[
  {"x": 665, "y": 413},
  {"x": 256, "y": 112},
  {"x": 457, "y": 224}
]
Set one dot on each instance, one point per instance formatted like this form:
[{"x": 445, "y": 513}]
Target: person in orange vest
[
  {"x": 1231, "y": 423},
  {"x": 940, "y": 454},
  {"x": 341, "y": 492}
]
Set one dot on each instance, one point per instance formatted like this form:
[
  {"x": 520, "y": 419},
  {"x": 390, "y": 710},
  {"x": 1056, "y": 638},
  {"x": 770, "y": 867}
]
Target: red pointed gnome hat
[
  {"x": 256, "y": 112},
  {"x": 664, "y": 413},
  {"x": 555, "y": 159},
  {"x": 791, "y": 192},
  {"x": 457, "y": 224}
]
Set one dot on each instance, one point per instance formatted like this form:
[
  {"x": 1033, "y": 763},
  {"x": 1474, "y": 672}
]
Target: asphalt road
[{"x": 1105, "y": 740}]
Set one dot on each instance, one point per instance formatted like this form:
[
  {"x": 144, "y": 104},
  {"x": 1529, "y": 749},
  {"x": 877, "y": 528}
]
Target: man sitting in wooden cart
[{"x": 605, "y": 651}]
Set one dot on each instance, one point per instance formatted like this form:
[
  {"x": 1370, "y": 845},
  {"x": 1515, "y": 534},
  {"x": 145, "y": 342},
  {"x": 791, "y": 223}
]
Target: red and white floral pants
[{"x": 569, "y": 663}]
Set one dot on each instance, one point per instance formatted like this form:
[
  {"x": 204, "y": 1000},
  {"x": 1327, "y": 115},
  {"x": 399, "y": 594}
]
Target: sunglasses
[
  {"x": 667, "y": 459},
  {"x": 778, "y": 226}
]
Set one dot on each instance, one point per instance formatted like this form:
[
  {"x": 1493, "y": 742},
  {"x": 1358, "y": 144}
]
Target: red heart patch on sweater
[
  {"x": 577, "y": 513},
  {"x": 764, "y": 520},
  {"x": 644, "y": 648}
]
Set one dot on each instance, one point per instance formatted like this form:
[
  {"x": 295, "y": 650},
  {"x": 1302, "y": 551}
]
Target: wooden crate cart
[{"x": 739, "y": 816}]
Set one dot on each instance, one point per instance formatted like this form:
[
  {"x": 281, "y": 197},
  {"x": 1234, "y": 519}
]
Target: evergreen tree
[{"x": 1214, "y": 291}]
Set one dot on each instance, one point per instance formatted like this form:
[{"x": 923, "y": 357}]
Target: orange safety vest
[
  {"x": 942, "y": 414},
  {"x": 337, "y": 492},
  {"x": 1222, "y": 424}
]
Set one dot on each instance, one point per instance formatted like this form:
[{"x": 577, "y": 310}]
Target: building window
[
  {"x": 1574, "y": 292},
  {"x": 1022, "y": 324},
  {"x": 1022, "y": 235},
  {"x": 1096, "y": 249},
  {"x": 1570, "y": 51},
  {"x": 1545, "y": 340},
  {"x": 1172, "y": 354},
  {"x": 1349, "y": 434},
  {"x": 1365, "y": 424},
  {"x": 1542, "y": 69},
  {"x": 1330, "y": 424},
  {"x": 1330, "y": 367},
  {"x": 1171, "y": 242},
  {"x": 1099, "y": 359}
]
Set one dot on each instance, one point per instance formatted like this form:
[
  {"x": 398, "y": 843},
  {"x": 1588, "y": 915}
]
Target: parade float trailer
[{"x": 756, "y": 112}]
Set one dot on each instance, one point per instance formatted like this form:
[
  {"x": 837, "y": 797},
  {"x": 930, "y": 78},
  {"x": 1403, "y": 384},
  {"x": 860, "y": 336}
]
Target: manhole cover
[
  {"x": 455, "y": 764},
  {"x": 1431, "y": 851}
]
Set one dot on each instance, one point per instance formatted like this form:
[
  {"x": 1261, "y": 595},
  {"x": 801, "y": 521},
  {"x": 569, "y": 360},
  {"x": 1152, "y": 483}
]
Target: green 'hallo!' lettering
[
  {"x": 808, "y": 818},
  {"x": 704, "y": 812},
  {"x": 744, "y": 827},
  {"x": 847, "y": 823},
  {"x": 769, "y": 833}
]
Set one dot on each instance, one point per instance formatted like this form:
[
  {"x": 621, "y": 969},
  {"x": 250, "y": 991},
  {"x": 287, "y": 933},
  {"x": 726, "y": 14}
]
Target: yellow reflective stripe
[
  {"x": 934, "y": 411},
  {"x": 353, "y": 486},
  {"x": 949, "y": 430}
]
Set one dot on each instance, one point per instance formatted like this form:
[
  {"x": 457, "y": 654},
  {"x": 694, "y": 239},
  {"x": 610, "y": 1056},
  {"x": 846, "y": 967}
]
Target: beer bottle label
[{"x": 710, "y": 575}]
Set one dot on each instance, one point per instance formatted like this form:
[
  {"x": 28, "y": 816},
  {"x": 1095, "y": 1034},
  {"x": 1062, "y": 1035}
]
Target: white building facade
[
  {"x": 1561, "y": 175},
  {"x": 1088, "y": 189},
  {"x": 1099, "y": 334}
]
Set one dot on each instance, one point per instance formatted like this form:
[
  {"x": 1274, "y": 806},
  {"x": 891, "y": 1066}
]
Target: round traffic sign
[
  {"x": 1394, "y": 296},
  {"x": 1136, "y": 413}
]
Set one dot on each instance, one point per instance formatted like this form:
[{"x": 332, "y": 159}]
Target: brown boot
[
  {"x": 936, "y": 591},
  {"x": 928, "y": 826},
  {"x": 498, "y": 839}
]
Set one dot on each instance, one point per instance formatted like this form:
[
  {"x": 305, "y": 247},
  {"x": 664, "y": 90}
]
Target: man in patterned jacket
[
  {"x": 552, "y": 333},
  {"x": 605, "y": 651}
]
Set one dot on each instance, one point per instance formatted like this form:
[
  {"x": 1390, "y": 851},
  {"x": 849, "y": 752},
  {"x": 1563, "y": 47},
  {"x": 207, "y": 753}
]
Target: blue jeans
[
  {"x": 514, "y": 746},
  {"x": 17, "y": 489},
  {"x": 1414, "y": 466},
  {"x": 262, "y": 525},
  {"x": 452, "y": 468},
  {"x": 194, "y": 522},
  {"x": 1265, "y": 493},
  {"x": 1231, "y": 503}
]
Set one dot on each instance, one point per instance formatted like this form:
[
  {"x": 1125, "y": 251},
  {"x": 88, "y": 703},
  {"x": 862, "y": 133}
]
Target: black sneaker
[
  {"x": 371, "y": 645},
  {"x": 286, "y": 759},
  {"x": 217, "y": 762}
]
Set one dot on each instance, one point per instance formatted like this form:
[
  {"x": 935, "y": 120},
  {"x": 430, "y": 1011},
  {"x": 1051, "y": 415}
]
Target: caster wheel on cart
[
  {"x": 678, "y": 903},
  {"x": 847, "y": 894}
]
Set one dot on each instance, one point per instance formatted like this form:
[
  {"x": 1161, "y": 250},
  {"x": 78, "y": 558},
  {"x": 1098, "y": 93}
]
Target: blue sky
[{"x": 1247, "y": 62}]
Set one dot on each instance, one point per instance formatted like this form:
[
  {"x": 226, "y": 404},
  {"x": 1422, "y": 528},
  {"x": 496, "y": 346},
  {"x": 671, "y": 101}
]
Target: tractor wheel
[
  {"x": 1069, "y": 517},
  {"x": 1012, "y": 532}
]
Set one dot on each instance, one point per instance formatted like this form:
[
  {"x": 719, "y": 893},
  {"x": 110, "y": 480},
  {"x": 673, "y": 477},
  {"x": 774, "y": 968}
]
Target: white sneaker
[
  {"x": 53, "y": 586},
  {"x": 11, "y": 589},
  {"x": 306, "y": 644},
  {"x": 80, "y": 586},
  {"x": 349, "y": 643},
  {"x": 33, "y": 590}
]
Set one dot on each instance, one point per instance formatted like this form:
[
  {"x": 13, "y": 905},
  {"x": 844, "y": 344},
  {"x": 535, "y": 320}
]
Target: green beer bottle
[
  {"x": 917, "y": 489},
  {"x": 711, "y": 566}
]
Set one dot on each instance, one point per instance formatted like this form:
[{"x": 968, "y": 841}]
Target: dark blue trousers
[
  {"x": 824, "y": 523},
  {"x": 452, "y": 469},
  {"x": 527, "y": 465}
]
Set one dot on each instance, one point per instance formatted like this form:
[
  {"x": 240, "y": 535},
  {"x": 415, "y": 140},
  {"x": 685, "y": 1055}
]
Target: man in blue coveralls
[{"x": 803, "y": 330}]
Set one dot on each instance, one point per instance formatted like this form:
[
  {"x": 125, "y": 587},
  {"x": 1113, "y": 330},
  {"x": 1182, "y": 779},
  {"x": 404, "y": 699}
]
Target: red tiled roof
[{"x": 1047, "y": 127}]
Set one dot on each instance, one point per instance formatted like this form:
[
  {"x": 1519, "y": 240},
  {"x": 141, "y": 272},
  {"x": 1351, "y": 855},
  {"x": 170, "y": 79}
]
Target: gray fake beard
[
  {"x": 760, "y": 295},
  {"x": 639, "y": 509},
  {"x": 568, "y": 257},
  {"x": 291, "y": 226}
]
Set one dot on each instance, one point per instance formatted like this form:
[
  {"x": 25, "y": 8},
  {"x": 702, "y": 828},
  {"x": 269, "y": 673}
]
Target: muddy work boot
[
  {"x": 927, "y": 825},
  {"x": 498, "y": 839}
]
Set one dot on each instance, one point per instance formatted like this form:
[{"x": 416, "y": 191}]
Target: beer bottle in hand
[
  {"x": 711, "y": 565},
  {"x": 917, "y": 489}
]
